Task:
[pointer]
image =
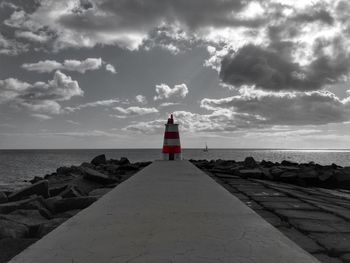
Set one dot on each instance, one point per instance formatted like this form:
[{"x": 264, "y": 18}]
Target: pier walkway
[{"x": 168, "y": 212}]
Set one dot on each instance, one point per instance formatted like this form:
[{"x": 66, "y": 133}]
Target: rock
[
  {"x": 11, "y": 206},
  {"x": 324, "y": 258},
  {"x": 96, "y": 176},
  {"x": 67, "y": 214},
  {"x": 36, "y": 179},
  {"x": 71, "y": 191},
  {"x": 288, "y": 175},
  {"x": 74, "y": 203},
  {"x": 267, "y": 164},
  {"x": 50, "y": 202},
  {"x": 3, "y": 197},
  {"x": 251, "y": 173},
  {"x": 89, "y": 165},
  {"x": 10, "y": 229},
  {"x": 29, "y": 218},
  {"x": 325, "y": 174},
  {"x": 99, "y": 192},
  {"x": 342, "y": 178},
  {"x": 128, "y": 167},
  {"x": 336, "y": 243},
  {"x": 53, "y": 191},
  {"x": 249, "y": 162},
  {"x": 288, "y": 163},
  {"x": 10, "y": 247},
  {"x": 276, "y": 172},
  {"x": 39, "y": 188},
  {"x": 124, "y": 161},
  {"x": 68, "y": 170},
  {"x": 100, "y": 159},
  {"x": 308, "y": 173},
  {"x": 47, "y": 227},
  {"x": 303, "y": 241}
]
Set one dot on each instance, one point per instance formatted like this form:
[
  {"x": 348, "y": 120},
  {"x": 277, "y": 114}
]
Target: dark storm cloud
[{"x": 270, "y": 69}]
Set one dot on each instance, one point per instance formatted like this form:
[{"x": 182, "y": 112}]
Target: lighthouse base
[{"x": 171, "y": 156}]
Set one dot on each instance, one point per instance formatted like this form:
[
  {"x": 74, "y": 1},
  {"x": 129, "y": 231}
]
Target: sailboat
[{"x": 206, "y": 148}]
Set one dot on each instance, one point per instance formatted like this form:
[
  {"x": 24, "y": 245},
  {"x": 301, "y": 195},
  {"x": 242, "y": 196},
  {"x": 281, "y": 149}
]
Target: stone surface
[
  {"x": 345, "y": 258},
  {"x": 10, "y": 247},
  {"x": 11, "y": 229},
  {"x": 47, "y": 227},
  {"x": 334, "y": 242},
  {"x": 100, "y": 159},
  {"x": 249, "y": 162},
  {"x": 326, "y": 259},
  {"x": 29, "y": 218},
  {"x": 170, "y": 211},
  {"x": 98, "y": 177},
  {"x": 74, "y": 203},
  {"x": 314, "y": 225},
  {"x": 307, "y": 215},
  {"x": 39, "y": 188},
  {"x": 288, "y": 205},
  {"x": 71, "y": 191},
  {"x": 100, "y": 192},
  {"x": 3, "y": 198},
  {"x": 303, "y": 241}
]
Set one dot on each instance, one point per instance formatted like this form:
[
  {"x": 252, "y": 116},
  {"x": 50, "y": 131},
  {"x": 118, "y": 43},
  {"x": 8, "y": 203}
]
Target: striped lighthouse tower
[{"x": 171, "y": 146}]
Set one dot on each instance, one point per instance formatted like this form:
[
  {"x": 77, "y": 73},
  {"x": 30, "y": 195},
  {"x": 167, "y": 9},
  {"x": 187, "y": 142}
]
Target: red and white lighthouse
[{"x": 171, "y": 146}]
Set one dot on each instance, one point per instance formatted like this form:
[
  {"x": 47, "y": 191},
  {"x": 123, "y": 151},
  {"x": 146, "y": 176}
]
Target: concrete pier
[{"x": 168, "y": 212}]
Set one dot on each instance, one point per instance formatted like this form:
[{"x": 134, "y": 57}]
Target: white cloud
[
  {"x": 11, "y": 46},
  {"x": 141, "y": 99},
  {"x": 40, "y": 96},
  {"x": 41, "y": 117},
  {"x": 68, "y": 64},
  {"x": 165, "y": 92},
  {"x": 168, "y": 104},
  {"x": 93, "y": 104},
  {"x": 35, "y": 37},
  {"x": 135, "y": 111},
  {"x": 111, "y": 68}
]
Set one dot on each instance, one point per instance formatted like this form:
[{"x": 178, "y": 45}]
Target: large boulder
[
  {"x": 251, "y": 173},
  {"x": 47, "y": 227},
  {"x": 98, "y": 160},
  {"x": 3, "y": 197},
  {"x": 342, "y": 178},
  {"x": 99, "y": 192},
  {"x": 11, "y": 229},
  {"x": 124, "y": 161},
  {"x": 29, "y": 218},
  {"x": 98, "y": 177},
  {"x": 10, "y": 247},
  {"x": 22, "y": 204},
  {"x": 71, "y": 191},
  {"x": 39, "y": 188},
  {"x": 288, "y": 163},
  {"x": 66, "y": 204},
  {"x": 68, "y": 170},
  {"x": 249, "y": 162}
]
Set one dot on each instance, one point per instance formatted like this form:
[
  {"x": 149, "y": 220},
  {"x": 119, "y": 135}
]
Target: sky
[{"x": 235, "y": 73}]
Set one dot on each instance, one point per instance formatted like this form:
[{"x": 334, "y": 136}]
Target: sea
[{"x": 19, "y": 166}]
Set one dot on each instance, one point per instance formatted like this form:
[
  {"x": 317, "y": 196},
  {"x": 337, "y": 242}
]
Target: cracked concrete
[{"x": 168, "y": 212}]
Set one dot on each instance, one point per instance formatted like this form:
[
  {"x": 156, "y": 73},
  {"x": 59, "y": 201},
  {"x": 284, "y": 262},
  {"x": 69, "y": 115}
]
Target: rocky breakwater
[
  {"x": 304, "y": 174},
  {"x": 293, "y": 198},
  {"x": 30, "y": 213}
]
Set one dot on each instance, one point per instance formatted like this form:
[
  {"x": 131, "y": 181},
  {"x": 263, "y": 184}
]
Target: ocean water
[{"x": 19, "y": 165}]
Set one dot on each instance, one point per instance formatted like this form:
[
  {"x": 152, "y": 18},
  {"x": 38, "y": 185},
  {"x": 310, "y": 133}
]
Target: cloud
[
  {"x": 93, "y": 104},
  {"x": 288, "y": 108},
  {"x": 41, "y": 117},
  {"x": 135, "y": 111},
  {"x": 165, "y": 92},
  {"x": 269, "y": 70},
  {"x": 11, "y": 47},
  {"x": 40, "y": 96},
  {"x": 141, "y": 99},
  {"x": 68, "y": 64},
  {"x": 168, "y": 104},
  {"x": 111, "y": 68},
  {"x": 39, "y": 37}
]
